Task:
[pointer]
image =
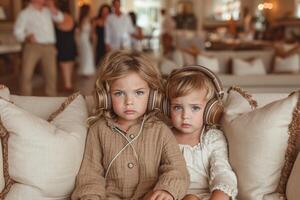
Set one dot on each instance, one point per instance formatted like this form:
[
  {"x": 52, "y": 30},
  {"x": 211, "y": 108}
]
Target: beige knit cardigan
[{"x": 152, "y": 162}]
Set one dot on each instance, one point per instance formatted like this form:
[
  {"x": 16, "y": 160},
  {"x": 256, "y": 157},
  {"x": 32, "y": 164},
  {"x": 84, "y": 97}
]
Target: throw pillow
[
  {"x": 4, "y": 92},
  {"x": 254, "y": 67},
  {"x": 290, "y": 64},
  {"x": 261, "y": 143},
  {"x": 211, "y": 63},
  {"x": 188, "y": 58},
  {"x": 293, "y": 192},
  {"x": 167, "y": 66},
  {"x": 4, "y": 177},
  {"x": 44, "y": 156}
]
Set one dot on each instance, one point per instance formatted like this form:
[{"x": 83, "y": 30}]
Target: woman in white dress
[{"x": 85, "y": 49}]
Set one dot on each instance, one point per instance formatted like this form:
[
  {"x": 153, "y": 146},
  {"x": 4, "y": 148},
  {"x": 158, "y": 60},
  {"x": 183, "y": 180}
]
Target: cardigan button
[
  {"x": 130, "y": 165},
  {"x": 131, "y": 136}
]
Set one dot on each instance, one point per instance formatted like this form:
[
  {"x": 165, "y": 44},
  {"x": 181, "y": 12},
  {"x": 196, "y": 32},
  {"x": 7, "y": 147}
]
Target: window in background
[
  {"x": 148, "y": 18},
  {"x": 6, "y": 10},
  {"x": 148, "y": 12},
  {"x": 227, "y": 9},
  {"x": 297, "y": 2}
]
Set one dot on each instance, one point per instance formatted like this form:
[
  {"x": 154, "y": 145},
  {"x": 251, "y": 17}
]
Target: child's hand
[
  {"x": 159, "y": 195},
  {"x": 219, "y": 195}
]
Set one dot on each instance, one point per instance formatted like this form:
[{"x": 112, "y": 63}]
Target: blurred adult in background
[
  {"x": 168, "y": 24},
  {"x": 66, "y": 46},
  {"x": 174, "y": 56},
  {"x": 118, "y": 29},
  {"x": 137, "y": 36},
  {"x": 247, "y": 20},
  {"x": 34, "y": 27},
  {"x": 99, "y": 29},
  {"x": 85, "y": 49}
]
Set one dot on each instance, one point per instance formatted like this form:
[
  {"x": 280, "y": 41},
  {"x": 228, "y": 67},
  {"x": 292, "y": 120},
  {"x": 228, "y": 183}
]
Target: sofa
[
  {"x": 258, "y": 82},
  {"x": 43, "y": 141},
  {"x": 239, "y": 67}
]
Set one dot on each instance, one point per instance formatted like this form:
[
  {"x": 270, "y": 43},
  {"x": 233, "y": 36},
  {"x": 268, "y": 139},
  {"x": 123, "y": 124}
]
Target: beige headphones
[
  {"x": 214, "y": 108},
  {"x": 104, "y": 101}
]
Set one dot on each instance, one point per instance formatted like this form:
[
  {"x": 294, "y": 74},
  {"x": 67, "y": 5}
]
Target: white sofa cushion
[
  {"x": 45, "y": 156},
  {"x": 258, "y": 141},
  {"x": 167, "y": 66},
  {"x": 47, "y": 105},
  {"x": 253, "y": 67},
  {"x": 293, "y": 191},
  {"x": 175, "y": 61},
  {"x": 4, "y": 93},
  {"x": 290, "y": 64},
  {"x": 209, "y": 62},
  {"x": 225, "y": 56}
]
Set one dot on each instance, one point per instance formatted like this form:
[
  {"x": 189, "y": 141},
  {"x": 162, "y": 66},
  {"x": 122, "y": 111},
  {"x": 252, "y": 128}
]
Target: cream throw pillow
[
  {"x": 258, "y": 143},
  {"x": 211, "y": 63},
  {"x": 167, "y": 66},
  {"x": 44, "y": 157},
  {"x": 241, "y": 67},
  {"x": 290, "y": 64},
  {"x": 4, "y": 93},
  {"x": 293, "y": 185}
]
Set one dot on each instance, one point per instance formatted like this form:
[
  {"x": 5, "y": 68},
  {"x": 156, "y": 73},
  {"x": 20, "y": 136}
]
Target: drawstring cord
[{"x": 129, "y": 143}]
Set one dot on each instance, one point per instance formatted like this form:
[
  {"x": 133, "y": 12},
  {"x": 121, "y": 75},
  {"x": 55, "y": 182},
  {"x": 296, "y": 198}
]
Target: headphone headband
[
  {"x": 198, "y": 68},
  {"x": 214, "y": 108}
]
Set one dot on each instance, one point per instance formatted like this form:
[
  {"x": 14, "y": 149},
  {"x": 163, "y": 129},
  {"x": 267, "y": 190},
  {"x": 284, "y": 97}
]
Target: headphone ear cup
[
  {"x": 213, "y": 112},
  {"x": 151, "y": 98},
  {"x": 166, "y": 107},
  {"x": 155, "y": 101},
  {"x": 104, "y": 99}
]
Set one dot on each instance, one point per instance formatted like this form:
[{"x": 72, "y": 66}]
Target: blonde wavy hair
[
  {"x": 181, "y": 83},
  {"x": 118, "y": 64}
]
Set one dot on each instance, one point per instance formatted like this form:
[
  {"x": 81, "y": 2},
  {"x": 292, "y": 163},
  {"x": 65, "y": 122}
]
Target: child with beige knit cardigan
[{"x": 130, "y": 153}]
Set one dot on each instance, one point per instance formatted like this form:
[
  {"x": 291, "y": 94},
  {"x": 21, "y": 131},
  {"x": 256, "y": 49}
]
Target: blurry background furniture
[{"x": 10, "y": 54}]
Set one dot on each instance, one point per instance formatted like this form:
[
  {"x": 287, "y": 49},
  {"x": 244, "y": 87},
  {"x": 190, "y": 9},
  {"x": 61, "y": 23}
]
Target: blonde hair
[
  {"x": 118, "y": 64},
  {"x": 181, "y": 83}
]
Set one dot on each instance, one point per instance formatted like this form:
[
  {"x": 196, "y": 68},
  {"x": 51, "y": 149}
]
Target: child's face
[
  {"x": 187, "y": 112},
  {"x": 129, "y": 98}
]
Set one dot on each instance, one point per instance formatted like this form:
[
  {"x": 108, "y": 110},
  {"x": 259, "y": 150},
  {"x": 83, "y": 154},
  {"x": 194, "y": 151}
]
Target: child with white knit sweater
[{"x": 194, "y": 95}]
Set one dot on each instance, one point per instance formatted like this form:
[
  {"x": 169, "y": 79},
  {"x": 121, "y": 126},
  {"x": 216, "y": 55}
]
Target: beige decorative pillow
[
  {"x": 44, "y": 156},
  {"x": 211, "y": 63},
  {"x": 4, "y": 92},
  {"x": 167, "y": 66},
  {"x": 260, "y": 143},
  {"x": 242, "y": 67},
  {"x": 4, "y": 177},
  {"x": 293, "y": 185},
  {"x": 290, "y": 64},
  {"x": 188, "y": 59}
]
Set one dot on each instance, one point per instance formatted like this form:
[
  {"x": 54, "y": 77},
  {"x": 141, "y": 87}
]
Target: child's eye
[
  {"x": 177, "y": 108},
  {"x": 140, "y": 93},
  {"x": 196, "y": 108},
  {"x": 119, "y": 93}
]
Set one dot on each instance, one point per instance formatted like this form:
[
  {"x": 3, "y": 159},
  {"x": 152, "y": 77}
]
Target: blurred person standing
[
  {"x": 66, "y": 45},
  {"x": 247, "y": 20},
  {"x": 34, "y": 27},
  {"x": 85, "y": 49},
  {"x": 168, "y": 24},
  {"x": 138, "y": 35},
  {"x": 118, "y": 29},
  {"x": 99, "y": 29}
]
